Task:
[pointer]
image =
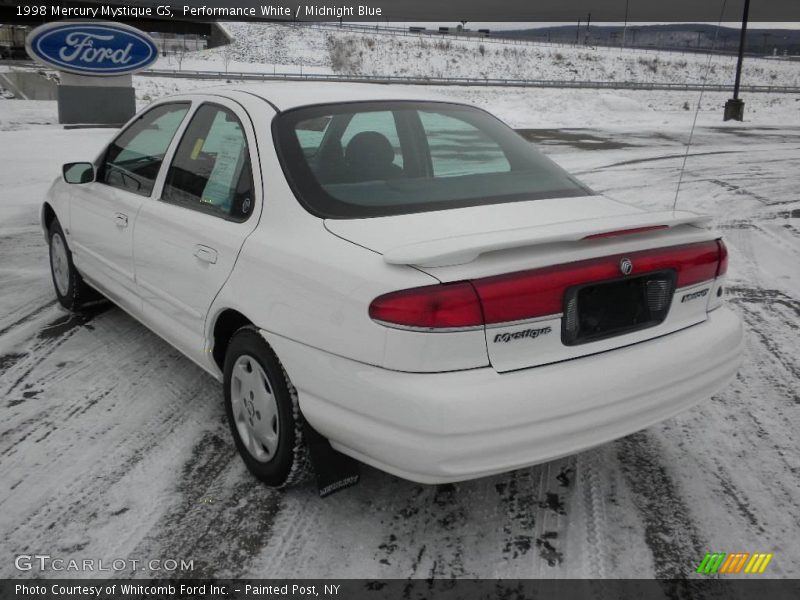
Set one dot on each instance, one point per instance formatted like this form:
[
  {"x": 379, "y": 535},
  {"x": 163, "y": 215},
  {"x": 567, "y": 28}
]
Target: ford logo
[{"x": 92, "y": 48}]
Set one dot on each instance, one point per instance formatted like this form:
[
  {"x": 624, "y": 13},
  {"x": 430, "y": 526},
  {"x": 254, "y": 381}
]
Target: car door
[
  {"x": 102, "y": 213},
  {"x": 186, "y": 241}
]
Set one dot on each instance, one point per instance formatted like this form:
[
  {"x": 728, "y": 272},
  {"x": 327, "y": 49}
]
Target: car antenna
[{"x": 699, "y": 102}]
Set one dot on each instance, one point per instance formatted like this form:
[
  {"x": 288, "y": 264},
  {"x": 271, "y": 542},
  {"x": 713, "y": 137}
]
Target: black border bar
[{"x": 452, "y": 11}]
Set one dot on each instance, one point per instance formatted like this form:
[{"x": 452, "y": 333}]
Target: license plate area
[{"x": 600, "y": 310}]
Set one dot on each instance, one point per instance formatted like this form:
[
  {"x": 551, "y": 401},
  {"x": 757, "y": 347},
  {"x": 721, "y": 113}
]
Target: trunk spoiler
[{"x": 466, "y": 248}]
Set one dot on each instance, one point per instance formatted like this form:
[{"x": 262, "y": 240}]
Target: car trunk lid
[{"x": 518, "y": 246}]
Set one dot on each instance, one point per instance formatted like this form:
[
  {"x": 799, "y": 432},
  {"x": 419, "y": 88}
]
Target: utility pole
[
  {"x": 734, "y": 108},
  {"x": 625, "y": 26},
  {"x": 578, "y": 32}
]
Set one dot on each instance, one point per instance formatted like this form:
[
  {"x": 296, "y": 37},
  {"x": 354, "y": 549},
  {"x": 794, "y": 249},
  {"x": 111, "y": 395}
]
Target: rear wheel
[
  {"x": 71, "y": 290},
  {"x": 263, "y": 412}
]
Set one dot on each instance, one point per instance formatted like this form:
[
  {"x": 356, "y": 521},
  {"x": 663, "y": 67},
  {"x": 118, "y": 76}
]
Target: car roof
[{"x": 285, "y": 95}]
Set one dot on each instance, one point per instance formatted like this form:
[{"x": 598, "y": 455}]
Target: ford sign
[{"x": 92, "y": 48}]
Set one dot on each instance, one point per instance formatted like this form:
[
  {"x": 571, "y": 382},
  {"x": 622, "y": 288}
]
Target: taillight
[
  {"x": 538, "y": 292},
  {"x": 535, "y": 293},
  {"x": 443, "y": 306},
  {"x": 722, "y": 267}
]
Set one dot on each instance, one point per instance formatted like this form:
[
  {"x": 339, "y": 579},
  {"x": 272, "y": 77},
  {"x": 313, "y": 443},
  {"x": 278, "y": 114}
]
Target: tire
[
  {"x": 263, "y": 412},
  {"x": 71, "y": 290}
]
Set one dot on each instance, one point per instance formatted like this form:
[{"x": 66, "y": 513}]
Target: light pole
[
  {"x": 734, "y": 108},
  {"x": 625, "y": 26}
]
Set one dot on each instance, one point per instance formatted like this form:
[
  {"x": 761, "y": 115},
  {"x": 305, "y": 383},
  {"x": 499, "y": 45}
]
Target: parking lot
[{"x": 114, "y": 445}]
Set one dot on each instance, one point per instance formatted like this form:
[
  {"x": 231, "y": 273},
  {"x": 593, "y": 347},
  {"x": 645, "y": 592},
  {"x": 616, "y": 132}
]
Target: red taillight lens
[
  {"x": 538, "y": 292},
  {"x": 535, "y": 293},
  {"x": 695, "y": 262},
  {"x": 723, "y": 258},
  {"x": 435, "y": 306}
]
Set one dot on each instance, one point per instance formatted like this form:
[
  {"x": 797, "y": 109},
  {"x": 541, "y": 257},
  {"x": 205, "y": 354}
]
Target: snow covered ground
[
  {"x": 564, "y": 107},
  {"x": 435, "y": 56},
  {"x": 114, "y": 445}
]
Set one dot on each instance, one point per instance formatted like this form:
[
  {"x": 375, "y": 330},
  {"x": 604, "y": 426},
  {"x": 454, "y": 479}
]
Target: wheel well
[
  {"x": 228, "y": 322},
  {"x": 48, "y": 215}
]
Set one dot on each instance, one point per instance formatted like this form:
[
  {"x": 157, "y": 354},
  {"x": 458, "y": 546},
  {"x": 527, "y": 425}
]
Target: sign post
[{"x": 96, "y": 60}]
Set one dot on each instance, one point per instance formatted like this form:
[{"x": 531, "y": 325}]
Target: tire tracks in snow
[
  {"x": 759, "y": 303},
  {"x": 28, "y": 316},
  {"x": 117, "y": 430},
  {"x": 671, "y": 536},
  {"x": 510, "y": 525},
  {"x": 120, "y": 448},
  {"x": 221, "y": 516},
  {"x": 440, "y": 531}
]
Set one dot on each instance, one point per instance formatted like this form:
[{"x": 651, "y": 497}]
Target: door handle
[
  {"x": 121, "y": 220},
  {"x": 205, "y": 253}
]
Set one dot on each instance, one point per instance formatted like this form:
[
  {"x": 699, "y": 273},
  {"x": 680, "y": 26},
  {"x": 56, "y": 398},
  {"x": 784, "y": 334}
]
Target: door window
[
  {"x": 211, "y": 170},
  {"x": 133, "y": 159}
]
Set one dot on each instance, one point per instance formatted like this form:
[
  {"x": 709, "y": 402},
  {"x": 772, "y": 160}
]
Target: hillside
[
  {"x": 673, "y": 35},
  {"x": 354, "y": 53}
]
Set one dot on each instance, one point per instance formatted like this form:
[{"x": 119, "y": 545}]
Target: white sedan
[{"x": 406, "y": 275}]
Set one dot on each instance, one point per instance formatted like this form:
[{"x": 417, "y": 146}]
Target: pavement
[{"x": 112, "y": 444}]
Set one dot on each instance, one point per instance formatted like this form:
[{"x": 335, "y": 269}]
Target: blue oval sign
[{"x": 92, "y": 48}]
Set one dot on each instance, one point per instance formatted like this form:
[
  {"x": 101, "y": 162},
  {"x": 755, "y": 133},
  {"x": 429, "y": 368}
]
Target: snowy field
[
  {"x": 114, "y": 445},
  {"x": 261, "y": 46}
]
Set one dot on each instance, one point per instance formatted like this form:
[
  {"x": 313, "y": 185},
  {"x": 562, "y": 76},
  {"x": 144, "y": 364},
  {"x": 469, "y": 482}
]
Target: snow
[
  {"x": 114, "y": 445},
  {"x": 215, "y": 62},
  {"x": 434, "y": 56}
]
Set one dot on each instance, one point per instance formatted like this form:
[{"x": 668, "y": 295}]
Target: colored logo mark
[
  {"x": 739, "y": 562},
  {"x": 92, "y": 48}
]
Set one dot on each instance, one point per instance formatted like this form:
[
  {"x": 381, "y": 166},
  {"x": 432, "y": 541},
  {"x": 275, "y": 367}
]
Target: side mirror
[{"x": 79, "y": 172}]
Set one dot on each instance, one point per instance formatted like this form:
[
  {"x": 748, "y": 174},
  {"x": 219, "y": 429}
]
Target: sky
[{"x": 499, "y": 25}]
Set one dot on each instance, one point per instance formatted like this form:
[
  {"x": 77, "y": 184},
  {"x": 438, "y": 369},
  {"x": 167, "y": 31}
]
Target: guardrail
[{"x": 468, "y": 81}]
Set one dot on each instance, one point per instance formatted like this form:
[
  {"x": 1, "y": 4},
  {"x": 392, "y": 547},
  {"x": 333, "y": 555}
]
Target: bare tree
[
  {"x": 227, "y": 55},
  {"x": 180, "y": 54}
]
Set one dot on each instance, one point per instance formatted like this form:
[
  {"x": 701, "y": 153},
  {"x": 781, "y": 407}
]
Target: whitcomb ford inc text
[{"x": 165, "y": 10}]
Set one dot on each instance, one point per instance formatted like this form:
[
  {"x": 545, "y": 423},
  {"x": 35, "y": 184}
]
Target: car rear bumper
[{"x": 442, "y": 427}]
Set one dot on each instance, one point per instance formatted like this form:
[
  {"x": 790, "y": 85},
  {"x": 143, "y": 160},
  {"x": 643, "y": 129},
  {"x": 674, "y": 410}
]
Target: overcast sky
[{"x": 522, "y": 25}]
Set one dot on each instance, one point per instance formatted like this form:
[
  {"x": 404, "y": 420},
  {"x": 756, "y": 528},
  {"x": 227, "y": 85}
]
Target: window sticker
[
  {"x": 222, "y": 181},
  {"x": 198, "y": 145}
]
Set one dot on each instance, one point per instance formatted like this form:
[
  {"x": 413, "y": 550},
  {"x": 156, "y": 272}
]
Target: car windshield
[{"x": 368, "y": 159}]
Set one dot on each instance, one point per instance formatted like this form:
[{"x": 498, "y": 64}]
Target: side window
[
  {"x": 133, "y": 160},
  {"x": 459, "y": 148},
  {"x": 211, "y": 170}
]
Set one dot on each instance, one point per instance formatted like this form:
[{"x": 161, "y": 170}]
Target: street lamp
[{"x": 734, "y": 108}]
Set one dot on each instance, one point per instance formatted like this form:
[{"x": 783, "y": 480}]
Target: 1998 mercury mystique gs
[{"x": 410, "y": 276}]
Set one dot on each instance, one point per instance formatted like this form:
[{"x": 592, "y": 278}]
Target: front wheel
[
  {"x": 71, "y": 290},
  {"x": 263, "y": 412}
]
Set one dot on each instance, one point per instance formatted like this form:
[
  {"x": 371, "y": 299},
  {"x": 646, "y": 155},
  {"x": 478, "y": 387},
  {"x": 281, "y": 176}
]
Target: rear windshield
[{"x": 370, "y": 159}]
